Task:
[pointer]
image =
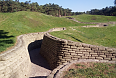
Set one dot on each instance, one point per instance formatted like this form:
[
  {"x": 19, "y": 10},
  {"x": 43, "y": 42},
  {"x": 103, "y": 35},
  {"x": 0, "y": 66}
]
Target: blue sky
[{"x": 77, "y": 5}]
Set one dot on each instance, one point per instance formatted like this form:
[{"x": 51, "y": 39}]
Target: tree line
[
  {"x": 108, "y": 11},
  {"x": 50, "y": 9}
]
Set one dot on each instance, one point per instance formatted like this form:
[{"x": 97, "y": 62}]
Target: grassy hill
[
  {"x": 15, "y": 24},
  {"x": 102, "y": 36},
  {"x": 94, "y": 18}
]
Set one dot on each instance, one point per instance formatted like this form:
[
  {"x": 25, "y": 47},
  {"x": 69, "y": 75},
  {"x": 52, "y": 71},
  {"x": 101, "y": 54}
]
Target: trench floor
[{"x": 39, "y": 66}]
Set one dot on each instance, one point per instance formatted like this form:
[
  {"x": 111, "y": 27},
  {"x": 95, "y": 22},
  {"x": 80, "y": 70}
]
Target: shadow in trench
[
  {"x": 35, "y": 56},
  {"x": 34, "y": 45}
]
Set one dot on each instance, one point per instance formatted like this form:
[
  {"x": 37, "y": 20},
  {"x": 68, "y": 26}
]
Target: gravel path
[{"x": 39, "y": 66}]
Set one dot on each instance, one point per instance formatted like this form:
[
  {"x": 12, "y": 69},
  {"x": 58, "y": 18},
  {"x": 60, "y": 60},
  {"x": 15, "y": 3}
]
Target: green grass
[
  {"x": 15, "y": 24},
  {"x": 92, "y": 70},
  {"x": 94, "y": 18},
  {"x": 102, "y": 36}
]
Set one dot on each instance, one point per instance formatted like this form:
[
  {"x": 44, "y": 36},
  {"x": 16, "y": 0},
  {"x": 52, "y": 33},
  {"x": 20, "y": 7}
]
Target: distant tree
[
  {"x": 69, "y": 12},
  {"x": 0, "y": 6},
  {"x": 4, "y": 8},
  {"x": 34, "y": 6},
  {"x": 27, "y": 2},
  {"x": 15, "y": 0},
  {"x": 115, "y": 2}
]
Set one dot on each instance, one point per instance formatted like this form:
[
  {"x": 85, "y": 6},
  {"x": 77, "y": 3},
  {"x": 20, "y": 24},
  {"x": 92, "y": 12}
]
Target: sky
[{"x": 77, "y": 5}]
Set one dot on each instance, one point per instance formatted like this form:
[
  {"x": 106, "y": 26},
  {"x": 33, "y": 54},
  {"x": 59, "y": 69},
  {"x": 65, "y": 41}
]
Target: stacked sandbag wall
[{"x": 58, "y": 51}]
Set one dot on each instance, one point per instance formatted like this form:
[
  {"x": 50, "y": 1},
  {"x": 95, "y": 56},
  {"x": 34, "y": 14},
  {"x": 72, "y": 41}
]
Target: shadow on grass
[
  {"x": 5, "y": 39},
  {"x": 4, "y": 35},
  {"x": 2, "y": 42},
  {"x": 73, "y": 37}
]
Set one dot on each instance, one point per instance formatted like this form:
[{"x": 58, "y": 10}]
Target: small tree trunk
[
  {"x": 12, "y": 9},
  {"x": 65, "y": 13},
  {"x": 59, "y": 13}
]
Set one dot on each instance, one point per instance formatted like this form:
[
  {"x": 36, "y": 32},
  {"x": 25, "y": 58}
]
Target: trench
[{"x": 39, "y": 66}]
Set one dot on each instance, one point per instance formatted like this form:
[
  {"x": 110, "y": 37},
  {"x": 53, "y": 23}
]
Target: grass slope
[
  {"x": 91, "y": 70},
  {"x": 94, "y": 18},
  {"x": 103, "y": 36},
  {"x": 15, "y": 24}
]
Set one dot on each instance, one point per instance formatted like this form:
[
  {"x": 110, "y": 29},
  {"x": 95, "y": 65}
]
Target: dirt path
[
  {"x": 39, "y": 66},
  {"x": 97, "y": 24}
]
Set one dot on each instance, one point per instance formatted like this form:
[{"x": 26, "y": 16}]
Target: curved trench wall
[
  {"x": 59, "y": 71},
  {"x": 58, "y": 51},
  {"x": 15, "y": 63}
]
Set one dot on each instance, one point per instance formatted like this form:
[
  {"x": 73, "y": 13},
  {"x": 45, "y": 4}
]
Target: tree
[
  {"x": 115, "y": 2},
  {"x": 34, "y": 6},
  {"x": 0, "y": 6}
]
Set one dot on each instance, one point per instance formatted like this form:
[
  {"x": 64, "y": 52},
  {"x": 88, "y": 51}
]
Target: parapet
[{"x": 59, "y": 51}]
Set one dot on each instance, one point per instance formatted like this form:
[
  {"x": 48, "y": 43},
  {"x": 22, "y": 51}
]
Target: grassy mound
[
  {"x": 94, "y": 18},
  {"x": 103, "y": 36},
  {"x": 15, "y": 24}
]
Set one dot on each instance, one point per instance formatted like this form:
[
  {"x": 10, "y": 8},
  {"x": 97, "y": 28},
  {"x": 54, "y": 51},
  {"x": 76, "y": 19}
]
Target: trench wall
[
  {"x": 59, "y": 51},
  {"x": 15, "y": 63}
]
